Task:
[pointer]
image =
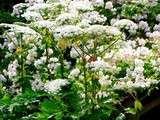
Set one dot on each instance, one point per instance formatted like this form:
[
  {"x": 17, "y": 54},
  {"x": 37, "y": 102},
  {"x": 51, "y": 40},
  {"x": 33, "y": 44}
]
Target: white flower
[
  {"x": 74, "y": 53},
  {"x": 20, "y": 29},
  {"x": 32, "y": 54},
  {"x": 138, "y": 70},
  {"x": 80, "y": 6},
  {"x": 53, "y": 59},
  {"x": 94, "y": 17},
  {"x": 53, "y": 64},
  {"x": 158, "y": 17},
  {"x": 75, "y": 72},
  {"x": 113, "y": 20},
  {"x": 99, "y": 30},
  {"x": 49, "y": 52},
  {"x": 2, "y": 78},
  {"x": 113, "y": 31},
  {"x": 54, "y": 86},
  {"x": 155, "y": 35},
  {"x": 39, "y": 6},
  {"x": 44, "y": 24},
  {"x": 127, "y": 24},
  {"x": 109, "y": 5},
  {"x": 125, "y": 53},
  {"x": 40, "y": 61},
  {"x": 37, "y": 63},
  {"x": 144, "y": 26},
  {"x": 98, "y": 65},
  {"x": 37, "y": 84},
  {"x": 12, "y": 69},
  {"x": 143, "y": 51},
  {"x": 84, "y": 23},
  {"x": 32, "y": 16},
  {"x": 98, "y": 3},
  {"x": 157, "y": 27},
  {"x": 66, "y": 18},
  {"x": 139, "y": 62},
  {"x": 141, "y": 41},
  {"x": 19, "y": 9},
  {"x": 104, "y": 81},
  {"x": 31, "y": 2},
  {"x": 96, "y": 30},
  {"x": 67, "y": 31}
]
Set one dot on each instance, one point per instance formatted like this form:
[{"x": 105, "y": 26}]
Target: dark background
[
  {"x": 6, "y": 10},
  {"x": 7, "y": 4}
]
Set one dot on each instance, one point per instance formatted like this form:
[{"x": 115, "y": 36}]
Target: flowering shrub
[{"x": 79, "y": 59}]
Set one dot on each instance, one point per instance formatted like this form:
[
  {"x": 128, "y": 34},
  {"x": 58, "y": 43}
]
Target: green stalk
[
  {"x": 85, "y": 82},
  {"x": 62, "y": 64}
]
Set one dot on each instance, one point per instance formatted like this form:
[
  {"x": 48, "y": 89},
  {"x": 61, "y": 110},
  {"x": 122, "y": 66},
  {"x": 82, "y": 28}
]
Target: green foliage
[
  {"x": 148, "y": 70},
  {"x": 129, "y": 11},
  {"x": 123, "y": 67},
  {"x": 21, "y": 106},
  {"x": 138, "y": 105},
  {"x": 5, "y": 17},
  {"x": 153, "y": 12}
]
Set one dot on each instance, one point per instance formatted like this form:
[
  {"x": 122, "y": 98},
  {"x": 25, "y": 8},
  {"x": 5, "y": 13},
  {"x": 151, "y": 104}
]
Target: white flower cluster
[
  {"x": 144, "y": 26},
  {"x": 109, "y": 5},
  {"x": 105, "y": 81},
  {"x": 129, "y": 52},
  {"x": 94, "y": 18},
  {"x": 37, "y": 84},
  {"x": 127, "y": 24},
  {"x": 40, "y": 62},
  {"x": 66, "y": 18},
  {"x": 154, "y": 35},
  {"x": 18, "y": 9},
  {"x": 54, "y": 86},
  {"x": 75, "y": 52},
  {"x": 50, "y": 25},
  {"x": 74, "y": 73},
  {"x": 32, "y": 54},
  {"x": 31, "y": 2},
  {"x": 32, "y": 16},
  {"x": 53, "y": 64},
  {"x": 67, "y": 31},
  {"x": 11, "y": 72},
  {"x": 157, "y": 27},
  {"x": 98, "y": 3},
  {"x": 80, "y": 5},
  {"x": 38, "y": 7},
  {"x": 98, "y": 65},
  {"x": 2, "y": 78},
  {"x": 100, "y": 30}
]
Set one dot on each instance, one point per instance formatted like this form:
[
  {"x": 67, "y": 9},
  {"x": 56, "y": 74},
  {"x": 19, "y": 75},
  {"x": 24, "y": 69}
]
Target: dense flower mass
[
  {"x": 79, "y": 59},
  {"x": 55, "y": 85}
]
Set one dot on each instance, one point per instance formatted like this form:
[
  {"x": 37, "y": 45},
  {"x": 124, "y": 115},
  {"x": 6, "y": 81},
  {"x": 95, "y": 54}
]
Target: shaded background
[
  {"x": 6, "y": 10},
  {"x": 7, "y": 4}
]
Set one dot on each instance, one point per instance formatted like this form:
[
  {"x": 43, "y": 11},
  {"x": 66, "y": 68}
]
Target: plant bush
[{"x": 79, "y": 60}]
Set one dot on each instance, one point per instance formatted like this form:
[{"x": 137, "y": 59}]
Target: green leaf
[
  {"x": 138, "y": 105},
  {"x": 5, "y": 100},
  {"x": 49, "y": 106},
  {"x": 131, "y": 111}
]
